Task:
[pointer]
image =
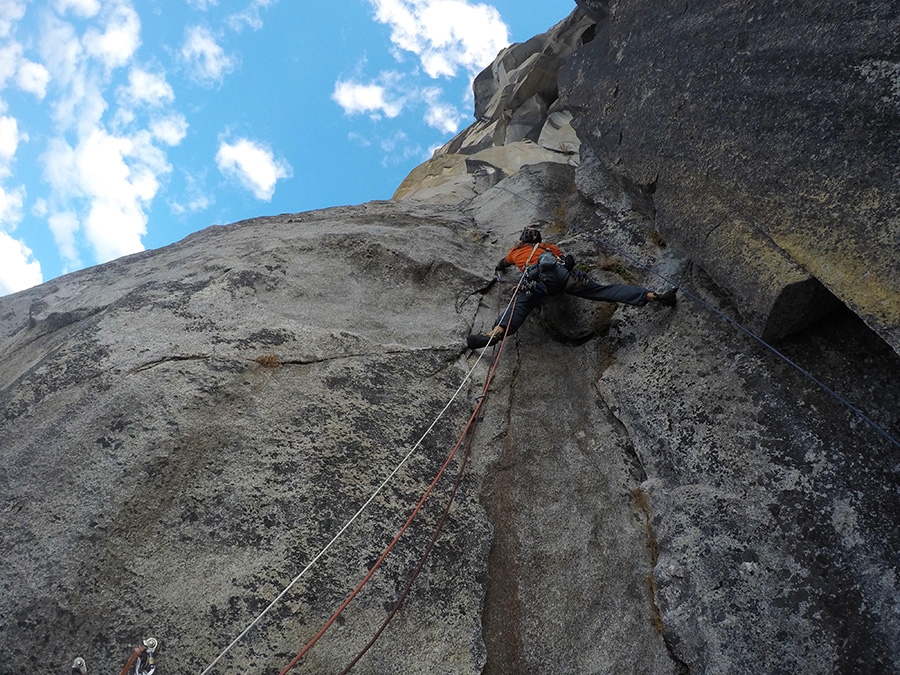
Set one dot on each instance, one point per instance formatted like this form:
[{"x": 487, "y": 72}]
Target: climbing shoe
[
  {"x": 667, "y": 298},
  {"x": 476, "y": 341}
]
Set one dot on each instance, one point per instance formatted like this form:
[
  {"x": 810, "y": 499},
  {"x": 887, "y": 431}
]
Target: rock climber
[{"x": 547, "y": 273}]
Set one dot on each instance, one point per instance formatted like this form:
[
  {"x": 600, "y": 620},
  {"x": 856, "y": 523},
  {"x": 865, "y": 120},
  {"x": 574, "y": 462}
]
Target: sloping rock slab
[{"x": 182, "y": 431}]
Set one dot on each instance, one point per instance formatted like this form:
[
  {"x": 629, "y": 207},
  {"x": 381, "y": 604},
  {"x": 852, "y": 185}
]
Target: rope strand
[
  {"x": 390, "y": 546},
  {"x": 440, "y": 525},
  {"x": 343, "y": 529},
  {"x": 472, "y": 422}
]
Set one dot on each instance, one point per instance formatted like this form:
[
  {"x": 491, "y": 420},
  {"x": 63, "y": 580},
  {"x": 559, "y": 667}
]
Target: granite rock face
[
  {"x": 183, "y": 430},
  {"x": 650, "y": 490},
  {"x": 768, "y": 136}
]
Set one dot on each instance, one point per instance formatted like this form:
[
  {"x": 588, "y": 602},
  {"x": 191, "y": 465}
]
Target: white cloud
[
  {"x": 446, "y": 35},
  {"x": 170, "y": 130},
  {"x": 117, "y": 176},
  {"x": 11, "y": 199},
  {"x": 11, "y": 202},
  {"x": 119, "y": 40},
  {"x": 355, "y": 98},
  {"x": 250, "y": 15},
  {"x": 205, "y": 58},
  {"x": 64, "y": 226},
  {"x": 440, "y": 115},
  {"x": 33, "y": 78},
  {"x": 118, "y": 191},
  {"x": 81, "y": 104},
  {"x": 9, "y": 142},
  {"x": 147, "y": 88},
  {"x": 10, "y": 12},
  {"x": 254, "y": 166},
  {"x": 61, "y": 50},
  {"x": 86, "y": 9},
  {"x": 18, "y": 269},
  {"x": 10, "y": 55}
]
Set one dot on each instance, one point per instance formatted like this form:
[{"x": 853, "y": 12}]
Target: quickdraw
[
  {"x": 145, "y": 664},
  {"x": 142, "y": 658}
]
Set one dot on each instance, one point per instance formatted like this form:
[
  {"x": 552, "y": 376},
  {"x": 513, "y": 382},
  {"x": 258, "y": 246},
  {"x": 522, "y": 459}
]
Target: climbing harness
[{"x": 812, "y": 378}]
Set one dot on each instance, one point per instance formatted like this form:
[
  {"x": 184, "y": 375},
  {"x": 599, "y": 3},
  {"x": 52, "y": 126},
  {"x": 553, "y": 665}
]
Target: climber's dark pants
[{"x": 574, "y": 284}]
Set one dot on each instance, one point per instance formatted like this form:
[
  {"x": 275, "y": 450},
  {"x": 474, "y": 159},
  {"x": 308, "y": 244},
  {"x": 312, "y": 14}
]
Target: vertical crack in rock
[
  {"x": 644, "y": 511},
  {"x": 643, "y": 506},
  {"x": 501, "y": 617}
]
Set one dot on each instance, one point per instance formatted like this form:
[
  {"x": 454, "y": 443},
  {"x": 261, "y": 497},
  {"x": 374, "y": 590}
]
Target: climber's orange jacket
[{"x": 521, "y": 255}]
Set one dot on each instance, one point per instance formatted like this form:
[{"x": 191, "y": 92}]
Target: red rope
[
  {"x": 135, "y": 653},
  {"x": 390, "y": 546},
  {"x": 465, "y": 432},
  {"x": 421, "y": 563}
]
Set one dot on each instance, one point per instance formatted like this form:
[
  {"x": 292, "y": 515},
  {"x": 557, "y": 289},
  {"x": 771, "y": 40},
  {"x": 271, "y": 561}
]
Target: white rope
[{"x": 347, "y": 524}]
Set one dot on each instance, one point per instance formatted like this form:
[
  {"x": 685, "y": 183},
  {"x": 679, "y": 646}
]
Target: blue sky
[{"x": 128, "y": 124}]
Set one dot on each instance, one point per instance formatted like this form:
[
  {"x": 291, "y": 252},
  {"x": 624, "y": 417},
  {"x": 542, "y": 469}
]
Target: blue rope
[{"x": 724, "y": 316}]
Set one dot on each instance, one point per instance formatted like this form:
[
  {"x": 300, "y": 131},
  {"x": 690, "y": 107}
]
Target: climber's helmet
[{"x": 530, "y": 235}]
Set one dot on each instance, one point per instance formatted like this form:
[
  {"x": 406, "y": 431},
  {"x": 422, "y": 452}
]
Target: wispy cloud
[
  {"x": 115, "y": 42},
  {"x": 446, "y": 35},
  {"x": 448, "y": 38},
  {"x": 9, "y": 142},
  {"x": 398, "y": 148},
  {"x": 105, "y": 164},
  {"x": 11, "y": 198},
  {"x": 253, "y": 165},
  {"x": 82, "y": 8},
  {"x": 249, "y": 16},
  {"x": 391, "y": 98},
  {"x": 11, "y": 202},
  {"x": 146, "y": 88},
  {"x": 64, "y": 225},
  {"x": 197, "y": 197},
  {"x": 206, "y": 60},
  {"x": 440, "y": 115},
  {"x": 11, "y": 11}
]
